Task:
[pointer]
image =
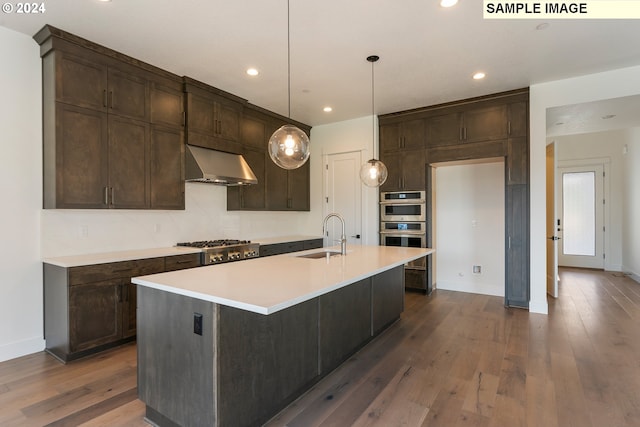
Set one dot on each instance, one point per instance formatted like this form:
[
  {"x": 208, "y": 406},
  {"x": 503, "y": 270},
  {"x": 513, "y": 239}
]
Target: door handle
[
  {"x": 357, "y": 236},
  {"x": 554, "y": 238}
]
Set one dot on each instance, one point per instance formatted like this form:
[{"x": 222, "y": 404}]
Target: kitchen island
[{"x": 232, "y": 344}]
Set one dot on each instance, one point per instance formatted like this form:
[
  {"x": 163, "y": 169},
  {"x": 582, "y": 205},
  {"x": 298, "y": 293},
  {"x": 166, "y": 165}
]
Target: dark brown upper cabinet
[
  {"x": 475, "y": 124},
  {"x": 213, "y": 117},
  {"x": 402, "y": 135},
  {"x": 106, "y": 125},
  {"x": 277, "y": 189}
]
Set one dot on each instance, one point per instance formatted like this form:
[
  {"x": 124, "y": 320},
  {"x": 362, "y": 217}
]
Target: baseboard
[
  {"x": 483, "y": 289},
  {"x": 21, "y": 348},
  {"x": 630, "y": 273}
]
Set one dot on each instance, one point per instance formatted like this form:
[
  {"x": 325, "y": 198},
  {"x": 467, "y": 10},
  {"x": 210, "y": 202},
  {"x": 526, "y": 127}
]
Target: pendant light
[
  {"x": 289, "y": 145},
  {"x": 373, "y": 173}
]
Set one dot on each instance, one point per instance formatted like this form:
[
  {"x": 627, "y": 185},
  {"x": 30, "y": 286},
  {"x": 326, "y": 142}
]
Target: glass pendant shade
[
  {"x": 289, "y": 147},
  {"x": 373, "y": 173}
]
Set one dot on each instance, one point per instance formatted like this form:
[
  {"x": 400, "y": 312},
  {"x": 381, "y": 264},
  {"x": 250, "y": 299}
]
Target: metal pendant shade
[
  {"x": 373, "y": 173},
  {"x": 289, "y": 145}
]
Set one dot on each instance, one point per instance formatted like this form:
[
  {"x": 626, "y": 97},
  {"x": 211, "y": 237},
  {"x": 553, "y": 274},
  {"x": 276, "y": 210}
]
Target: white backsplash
[{"x": 72, "y": 231}]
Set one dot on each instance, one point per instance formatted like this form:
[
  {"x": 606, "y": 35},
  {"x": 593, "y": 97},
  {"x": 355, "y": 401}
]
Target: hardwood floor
[{"x": 454, "y": 359}]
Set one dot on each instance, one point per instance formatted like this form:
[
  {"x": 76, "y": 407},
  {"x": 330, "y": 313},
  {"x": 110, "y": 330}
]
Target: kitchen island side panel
[
  {"x": 176, "y": 367},
  {"x": 264, "y": 362}
]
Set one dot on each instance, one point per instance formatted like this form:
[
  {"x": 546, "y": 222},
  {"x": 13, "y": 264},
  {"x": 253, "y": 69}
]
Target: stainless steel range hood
[{"x": 217, "y": 167}]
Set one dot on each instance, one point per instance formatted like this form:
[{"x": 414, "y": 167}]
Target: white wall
[
  {"x": 593, "y": 87},
  {"x": 594, "y": 148},
  {"x": 469, "y": 219},
  {"x": 343, "y": 137},
  {"x": 20, "y": 179},
  {"x": 631, "y": 206}
]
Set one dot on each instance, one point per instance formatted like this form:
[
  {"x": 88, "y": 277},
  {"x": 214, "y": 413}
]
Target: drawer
[
  {"x": 123, "y": 269},
  {"x": 179, "y": 262}
]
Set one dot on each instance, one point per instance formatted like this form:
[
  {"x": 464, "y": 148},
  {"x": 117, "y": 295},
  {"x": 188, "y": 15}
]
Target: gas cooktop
[{"x": 224, "y": 250}]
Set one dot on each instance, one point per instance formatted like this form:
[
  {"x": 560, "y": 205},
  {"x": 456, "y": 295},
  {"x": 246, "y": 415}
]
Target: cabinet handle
[
  {"x": 464, "y": 132},
  {"x": 112, "y": 197},
  {"x": 104, "y": 98},
  {"x": 184, "y": 118},
  {"x": 106, "y": 196},
  {"x": 460, "y": 138},
  {"x": 509, "y": 127},
  {"x": 111, "y": 99}
]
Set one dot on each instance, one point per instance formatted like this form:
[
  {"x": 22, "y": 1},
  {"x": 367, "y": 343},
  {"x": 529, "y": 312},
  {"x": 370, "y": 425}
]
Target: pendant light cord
[
  {"x": 289, "y": 57},
  {"x": 373, "y": 114}
]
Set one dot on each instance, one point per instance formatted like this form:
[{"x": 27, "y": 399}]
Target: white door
[
  {"x": 552, "y": 224},
  {"x": 581, "y": 209},
  {"x": 343, "y": 196}
]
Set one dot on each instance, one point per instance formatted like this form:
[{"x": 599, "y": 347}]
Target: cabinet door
[
  {"x": 200, "y": 115},
  {"x": 518, "y": 119},
  {"x": 387, "y": 298},
  {"x": 253, "y": 196},
  {"x": 254, "y": 133},
  {"x": 167, "y": 104},
  {"x": 517, "y": 161},
  {"x": 95, "y": 314},
  {"x": 77, "y": 162},
  {"x": 413, "y": 134},
  {"x": 485, "y": 123},
  {"x": 389, "y": 137},
  {"x": 517, "y": 246},
  {"x": 128, "y": 163},
  {"x": 128, "y": 93},
  {"x": 444, "y": 129},
  {"x": 299, "y": 188},
  {"x": 412, "y": 167},
  {"x": 166, "y": 168},
  {"x": 81, "y": 81},
  {"x": 394, "y": 177},
  {"x": 344, "y": 321},
  {"x": 228, "y": 116},
  {"x": 129, "y": 309}
]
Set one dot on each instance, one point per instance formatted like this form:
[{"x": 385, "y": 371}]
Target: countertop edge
[{"x": 266, "y": 310}]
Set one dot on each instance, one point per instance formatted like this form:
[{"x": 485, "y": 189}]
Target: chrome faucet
[{"x": 343, "y": 238}]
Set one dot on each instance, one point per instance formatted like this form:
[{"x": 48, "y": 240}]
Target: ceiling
[{"x": 427, "y": 53}]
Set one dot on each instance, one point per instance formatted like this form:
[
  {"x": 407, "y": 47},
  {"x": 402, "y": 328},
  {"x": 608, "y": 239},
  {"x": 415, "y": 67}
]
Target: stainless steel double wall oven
[{"x": 403, "y": 216}]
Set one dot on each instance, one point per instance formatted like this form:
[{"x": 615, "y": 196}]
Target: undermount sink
[{"x": 320, "y": 254}]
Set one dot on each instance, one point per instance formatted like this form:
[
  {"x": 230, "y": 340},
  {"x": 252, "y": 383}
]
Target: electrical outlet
[
  {"x": 197, "y": 323},
  {"x": 477, "y": 269}
]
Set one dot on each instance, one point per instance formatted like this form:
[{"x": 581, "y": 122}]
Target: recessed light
[
  {"x": 479, "y": 75},
  {"x": 448, "y": 3},
  {"x": 252, "y": 72},
  {"x": 327, "y": 109}
]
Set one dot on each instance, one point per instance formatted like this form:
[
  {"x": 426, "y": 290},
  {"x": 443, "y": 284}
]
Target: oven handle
[
  {"x": 403, "y": 232},
  {"x": 403, "y": 202}
]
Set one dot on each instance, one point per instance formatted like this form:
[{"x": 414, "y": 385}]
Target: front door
[{"x": 581, "y": 208}]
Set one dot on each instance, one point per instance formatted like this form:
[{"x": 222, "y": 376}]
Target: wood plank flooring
[{"x": 454, "y": 360}]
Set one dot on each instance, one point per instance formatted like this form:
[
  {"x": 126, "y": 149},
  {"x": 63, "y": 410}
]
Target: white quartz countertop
[
  {"x": 266, "y": 285},
  {"x": 106, "y": 257}
]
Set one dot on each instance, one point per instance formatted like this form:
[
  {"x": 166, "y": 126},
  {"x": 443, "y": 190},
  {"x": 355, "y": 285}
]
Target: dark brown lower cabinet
[
  {"x": 244, "y": 367},
  {"x": 95, "y": 314},
  {"x": 91, "y": 308},
  {"x": 344, "y": 323}
]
